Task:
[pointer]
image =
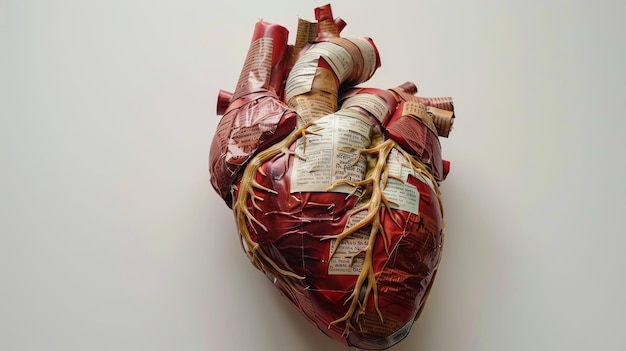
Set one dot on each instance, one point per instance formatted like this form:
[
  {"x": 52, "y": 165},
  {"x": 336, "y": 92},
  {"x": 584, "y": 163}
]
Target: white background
[{"x": 111, "y": 237}]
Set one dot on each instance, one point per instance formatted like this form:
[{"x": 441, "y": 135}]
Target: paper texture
[
  {"x": 400, "y": 193},
  {"x": 442, "y": 119},
  {"x": 323, "y": 159},
  {"x": 348, "y": 258},
  {"x": 301, "y": 76},
  {"x": 368, "y": 53},
  {"x": 369, "y": 102},
  {"x": 257, "y": 69}
]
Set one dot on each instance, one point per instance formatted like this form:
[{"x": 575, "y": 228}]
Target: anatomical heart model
[{"x": 334, "y": 187}]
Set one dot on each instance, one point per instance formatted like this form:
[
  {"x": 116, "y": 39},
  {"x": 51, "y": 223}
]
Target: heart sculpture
[{"x": 334, "y": 187}]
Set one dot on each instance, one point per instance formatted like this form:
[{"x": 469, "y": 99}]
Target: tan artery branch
[
  {"x": 245, "y": 219},
  {"x": 376, "y": 181}
]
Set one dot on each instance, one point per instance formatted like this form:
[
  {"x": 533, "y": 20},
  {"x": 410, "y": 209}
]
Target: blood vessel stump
[{"x": 334, "y": 187}]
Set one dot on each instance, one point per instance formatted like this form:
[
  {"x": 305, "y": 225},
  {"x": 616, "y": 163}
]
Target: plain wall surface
[{"x": 111, "y": 237}]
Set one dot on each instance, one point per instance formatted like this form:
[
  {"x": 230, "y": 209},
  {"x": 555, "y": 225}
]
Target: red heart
[{"x": 341, "y": 211}]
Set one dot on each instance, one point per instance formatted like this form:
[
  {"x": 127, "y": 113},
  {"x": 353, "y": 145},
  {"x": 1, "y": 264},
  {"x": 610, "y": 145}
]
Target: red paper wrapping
[{"x": 334, "y": 188}]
